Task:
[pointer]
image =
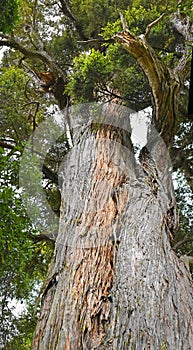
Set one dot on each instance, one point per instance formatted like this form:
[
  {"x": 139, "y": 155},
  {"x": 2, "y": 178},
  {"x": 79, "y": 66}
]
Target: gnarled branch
[
  {"x": 42, "y": 55},
  {"x": 164, "y": 84}
]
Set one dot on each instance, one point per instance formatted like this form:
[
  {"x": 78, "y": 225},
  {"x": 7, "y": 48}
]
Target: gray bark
[{"x": 115, "y": 282}]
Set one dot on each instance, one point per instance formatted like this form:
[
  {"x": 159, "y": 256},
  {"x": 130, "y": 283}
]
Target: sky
[{"x": 2, "y": 49}]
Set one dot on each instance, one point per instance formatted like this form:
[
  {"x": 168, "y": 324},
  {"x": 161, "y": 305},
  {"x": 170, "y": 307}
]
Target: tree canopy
[{"x": 81, "y": 44}]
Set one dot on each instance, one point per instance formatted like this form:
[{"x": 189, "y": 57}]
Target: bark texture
[
  {"x": 164, "y": 82},
  {"x": 115, "y": 282}
]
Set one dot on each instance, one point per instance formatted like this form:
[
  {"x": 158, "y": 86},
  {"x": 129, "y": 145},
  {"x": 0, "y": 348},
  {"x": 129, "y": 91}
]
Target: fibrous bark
[{"x": 115, "y": 282}]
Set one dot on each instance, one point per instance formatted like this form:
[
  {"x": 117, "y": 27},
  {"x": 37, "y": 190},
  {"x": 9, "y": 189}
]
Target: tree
[
  {"x": 9, "y": 15},
  {"x": 24, "y": 255},
  {"x": 114, "y": 281}
]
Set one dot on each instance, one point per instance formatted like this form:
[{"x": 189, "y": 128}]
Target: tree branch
[
  {"x": 12, "y": 42},
  {"x": 123, "y": 22},
  {"x": 163, "y": 83},
  {"x": 90, "y": 41},
  {"x": 67, "y": 12},
  {"x": 186, "y": 239},
  {"x": 6, "y": 145},
  {"x": 184, "y": 27},
  {"x": 153, "y": 24},
  {"x": 40, "y": 238},
  {"x": 182, "y": 70}
]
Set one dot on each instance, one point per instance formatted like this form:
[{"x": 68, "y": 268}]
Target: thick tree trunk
[{"x": 115, "y": 282}]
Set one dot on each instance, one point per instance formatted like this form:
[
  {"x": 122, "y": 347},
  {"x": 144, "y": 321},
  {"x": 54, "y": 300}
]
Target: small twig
[
  {"x": 123, "y": 22},
  {"x": 107, "y": 93},
  {"x": 25, "y": 91},
  {"x": 153, "y": 24},
  {"x": 95, "y": 40}
]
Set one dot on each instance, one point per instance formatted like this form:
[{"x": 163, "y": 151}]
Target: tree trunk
[{"x": 115, "y": 282}]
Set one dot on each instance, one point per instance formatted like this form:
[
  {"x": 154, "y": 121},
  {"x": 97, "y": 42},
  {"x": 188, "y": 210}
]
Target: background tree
[
  {"x": 24, "y": 256},
  {"x": 89, "y": 63},
  {"x": 9, "y": 15}
]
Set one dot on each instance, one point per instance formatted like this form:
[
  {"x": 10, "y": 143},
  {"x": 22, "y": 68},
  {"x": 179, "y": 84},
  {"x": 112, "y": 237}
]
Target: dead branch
[
  {"x": 158, "y": 75},
  {"x": 100, "y": 41},
  {"x": 153, "y": 24},
  {"x": 123, "y": 22}
]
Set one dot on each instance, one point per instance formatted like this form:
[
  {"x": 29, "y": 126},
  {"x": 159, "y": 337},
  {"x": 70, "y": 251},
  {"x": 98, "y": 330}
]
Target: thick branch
[
  {"x": 182, "y": 70},
  {"x": 66, "y": 11},
  {"x": 6, "y": 145},
  {"x": 163, "y": 83},
  {"x": 14, "y": 43}
]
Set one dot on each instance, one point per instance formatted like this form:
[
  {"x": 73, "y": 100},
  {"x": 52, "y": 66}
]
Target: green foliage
[
  {"x": 65, "y": 49},
  {"x": 92, "y": 15},
  {"x": 23, "y": 260},
  {"x": 184, "y": 236},
  {"x": 23, "y": 264},
  {"x": 18, "y": 117},
  {"x": 138, "y": 17},
  {"x": 13, "y": 114},
  {"x": 127, "y": 78},
  {"x": 9, "y": 10},
  {"x": 90, "y": 72}
]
